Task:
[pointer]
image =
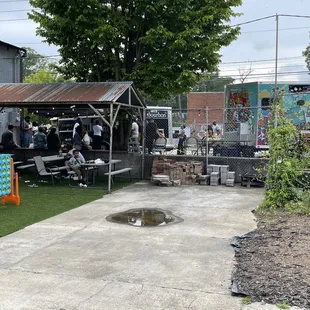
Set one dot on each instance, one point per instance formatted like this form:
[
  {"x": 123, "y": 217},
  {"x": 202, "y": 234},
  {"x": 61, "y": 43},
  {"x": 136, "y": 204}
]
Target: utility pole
[
  {"x": 207, "y": 140},
  {"x": 276, "y": 73}
]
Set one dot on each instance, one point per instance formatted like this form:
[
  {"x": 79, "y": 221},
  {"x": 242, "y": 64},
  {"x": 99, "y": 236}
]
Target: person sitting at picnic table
[
  {"x": 216, "y": 130},
  {"x": 39, "y": 139},
  {"x": 75, "y": 164},
  {"x": 53, "y": 140},
  {"x": 7, "y": 139}
]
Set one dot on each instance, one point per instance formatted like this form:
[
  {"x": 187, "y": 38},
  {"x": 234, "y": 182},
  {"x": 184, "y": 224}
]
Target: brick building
[{"x": 197, "y": 103}]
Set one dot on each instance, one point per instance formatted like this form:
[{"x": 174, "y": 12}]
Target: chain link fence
[{"x": 232, "y": 132}]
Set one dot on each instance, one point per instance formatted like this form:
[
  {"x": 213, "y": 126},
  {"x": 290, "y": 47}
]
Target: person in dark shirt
[
  {"x": 39, "y": 139},
  {"x": 7, "y": 139},
  {"x": 77, "y": 138},
  {"x": 151, "y": 134},
  {"x": 53, "y": 141}
]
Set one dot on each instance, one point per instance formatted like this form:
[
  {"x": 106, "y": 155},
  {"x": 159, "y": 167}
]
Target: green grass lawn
[{"x": 44, "y": 201}]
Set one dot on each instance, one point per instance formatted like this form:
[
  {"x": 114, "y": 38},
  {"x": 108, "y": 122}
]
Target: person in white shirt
[
  {"x": 81, "y": 157},
  {"x": 97, "y": 129},
  {"x": 135, "y": 131},
  {"x": 77, "y": 124},
  {"x": 75, "y": 164}
]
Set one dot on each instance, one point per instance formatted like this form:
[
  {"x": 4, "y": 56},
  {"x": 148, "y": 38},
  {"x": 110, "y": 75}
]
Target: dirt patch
[{"x": 273, "y": 262}]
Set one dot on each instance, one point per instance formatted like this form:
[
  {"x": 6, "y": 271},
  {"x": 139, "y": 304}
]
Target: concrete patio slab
[{"x": 78, "y": 260}]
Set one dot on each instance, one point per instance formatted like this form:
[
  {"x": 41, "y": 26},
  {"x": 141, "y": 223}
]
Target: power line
[
  {"x": 293, "y": 15},
  {"x": 261, "y": 60},
  {"x": 12, "y": 11},
  {"x": 273, "y": 30},
  {"x": 253, "y": 21},
  {"x": 271, "y": 74},
  {"x": 13, "y": 20},
  {"x": 6, "y": 1},
  {"x": 262, "y": 68},
  {"x": 261, "y": 65}
]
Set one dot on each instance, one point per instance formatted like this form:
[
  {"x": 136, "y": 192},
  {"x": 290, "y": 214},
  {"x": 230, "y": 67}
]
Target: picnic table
[
  {"x": 91, "y": 165},
  {"x": 51, "y": 158}
]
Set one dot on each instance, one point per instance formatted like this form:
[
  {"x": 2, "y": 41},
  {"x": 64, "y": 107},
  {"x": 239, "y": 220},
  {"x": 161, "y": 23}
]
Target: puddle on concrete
[{"x": 145, "y": 218}]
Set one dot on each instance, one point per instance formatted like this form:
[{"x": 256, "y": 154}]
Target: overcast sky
[{"x": 256, "y": 42}]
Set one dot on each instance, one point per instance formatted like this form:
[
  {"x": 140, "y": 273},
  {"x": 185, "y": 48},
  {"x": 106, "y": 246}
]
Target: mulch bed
[{"x": 273, "y": 262}]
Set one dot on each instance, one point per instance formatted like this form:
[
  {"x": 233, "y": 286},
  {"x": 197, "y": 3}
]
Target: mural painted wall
[
  {"x": 296, "y": 105},
  {"x": 240, "y": 103}
]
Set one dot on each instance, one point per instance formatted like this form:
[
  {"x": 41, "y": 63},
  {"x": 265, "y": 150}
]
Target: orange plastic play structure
[{"x": 13, "y": 197}]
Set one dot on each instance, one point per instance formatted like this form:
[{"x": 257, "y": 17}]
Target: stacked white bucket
[{"x": 221, "y": 174}]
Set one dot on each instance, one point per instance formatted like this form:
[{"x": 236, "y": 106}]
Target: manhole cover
[{"x": 144, "y": 217}]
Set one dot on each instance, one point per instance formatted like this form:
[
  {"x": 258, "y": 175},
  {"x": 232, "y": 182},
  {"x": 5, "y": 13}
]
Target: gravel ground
[{"x": 273, "y": 262}]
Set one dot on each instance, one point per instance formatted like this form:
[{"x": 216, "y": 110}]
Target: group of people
[
  {"x": 81, "y": 139},
  {"x": 39, "y": 136},
  {"x": 212, "y": 131}
]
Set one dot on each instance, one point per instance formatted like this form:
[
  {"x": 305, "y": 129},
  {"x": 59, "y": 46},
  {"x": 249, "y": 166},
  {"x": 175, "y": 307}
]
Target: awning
[
  {"x": 66, "y": 97},
  {"x": 61, "y": 94}
]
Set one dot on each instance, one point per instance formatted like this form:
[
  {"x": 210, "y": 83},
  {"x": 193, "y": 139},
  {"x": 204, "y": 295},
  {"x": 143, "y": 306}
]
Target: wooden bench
[
  {"x": 23, "y": 167},
  {"x": 18, "y": 163},
  {"x": 120, "y": 171}
]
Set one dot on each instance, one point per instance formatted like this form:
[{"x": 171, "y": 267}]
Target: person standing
[
  {"x": 27, "y": 131},
  {"x": 97, "y": 129},
  {"x": 135, "y": 131},
  {"x": 39, "y": 139},
  {"x": 182, "y": 138},
  {"x": 77, "y": 138},
  {"x": 151, "y": 134},
  {"x": 7, "y": 139},
  {"x": 35, "y": 128},
  {"x": 53, "y": 140},
  {"x": 76, "y": 125}
]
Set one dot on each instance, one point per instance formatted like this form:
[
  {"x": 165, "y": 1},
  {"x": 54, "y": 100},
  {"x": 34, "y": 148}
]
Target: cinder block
[
  {"x": 231, "y": 175},
  {"x": 215, "y": 174},
  {"x": 216, "y": 168},
  {"x": 230, "y": 184},
  {"x": 223, "y": 178},
  {"x": 224, "y": 169}
]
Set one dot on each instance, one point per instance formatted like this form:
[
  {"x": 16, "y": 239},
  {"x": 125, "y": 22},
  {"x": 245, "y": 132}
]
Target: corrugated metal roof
[{"x": 62, "y": 93}]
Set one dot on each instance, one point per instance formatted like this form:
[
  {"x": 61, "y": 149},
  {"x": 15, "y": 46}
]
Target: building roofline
[
  {"x": 14, "y": 46},
  {"x": 206, "y": 92}
]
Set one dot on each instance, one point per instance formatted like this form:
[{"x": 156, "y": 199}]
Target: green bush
[{"x": 284, "y": 182}]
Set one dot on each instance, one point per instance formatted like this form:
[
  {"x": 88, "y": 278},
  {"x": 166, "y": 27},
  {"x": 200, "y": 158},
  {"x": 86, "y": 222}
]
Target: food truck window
[{"x": 266, "y": 102}]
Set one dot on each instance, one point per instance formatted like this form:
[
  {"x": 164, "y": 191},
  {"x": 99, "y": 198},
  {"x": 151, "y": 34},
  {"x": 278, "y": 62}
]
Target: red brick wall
[{"x": 199, "y": 101}]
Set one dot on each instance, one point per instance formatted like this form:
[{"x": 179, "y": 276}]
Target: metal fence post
[{"x": 207, "y": 139}]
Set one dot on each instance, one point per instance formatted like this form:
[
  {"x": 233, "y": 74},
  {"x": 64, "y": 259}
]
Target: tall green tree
[
  {"x": 48, "y": 75},
  {"x": 306, "y": 53},
  {"x": 162, "y": 45},
  {"x": 213, "y": 84},
  {"x": 33, "y": 62}
]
